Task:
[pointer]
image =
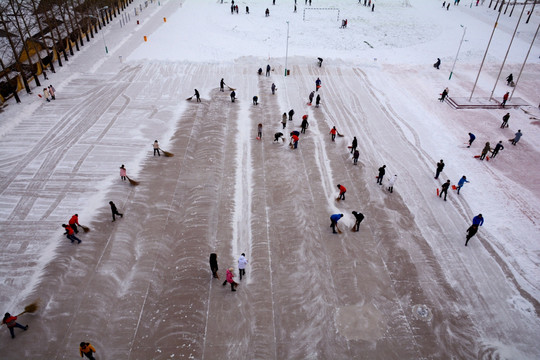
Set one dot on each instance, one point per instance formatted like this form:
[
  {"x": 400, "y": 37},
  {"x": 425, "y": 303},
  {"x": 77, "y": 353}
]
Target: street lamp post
[
  {"x": 287, "y": 49},
  {"x": 459, "y": 48},
  {"x": 102, "y": 33}
]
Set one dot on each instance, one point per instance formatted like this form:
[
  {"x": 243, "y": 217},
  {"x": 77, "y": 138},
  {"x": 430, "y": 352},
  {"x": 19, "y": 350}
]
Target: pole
[
  {"x": 507, "y": 51},
  {"x": 459, "y": 48},
  {"x": 484, "y": 58},
  {"x": 102, "y": 33},
  {"x": 287, "y": 49},
  {"x": 524, "y": 61}
]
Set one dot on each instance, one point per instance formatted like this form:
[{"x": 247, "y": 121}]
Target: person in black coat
[
  {"x": 509, "y": 79},
  {"x": 444, "y": 189},
  {"x": 440, "y": 167},
  {"x": 291, "y": 113},
  {"x": 471, "y": 231},
  {"x": 114, "y": 211},
  {"x": 359, "y": 217},
  {"x": 214, "y": 265},
  {"x": 381, "y": 174},
  {"x": 233, "y": 96},
  {"x": 437, "y": 64},
  {"x": 268, "y": 70},
  {"x": 354, "y": 145},
  {"x": 495, "y": 151}
]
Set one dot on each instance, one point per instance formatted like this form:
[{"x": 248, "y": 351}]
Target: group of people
[
  {"x": 229, "y": 273},
  {"x": 49, "y": 93}
]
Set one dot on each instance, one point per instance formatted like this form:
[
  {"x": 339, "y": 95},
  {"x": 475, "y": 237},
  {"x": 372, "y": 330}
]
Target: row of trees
[{"x": 34, "y": 35}]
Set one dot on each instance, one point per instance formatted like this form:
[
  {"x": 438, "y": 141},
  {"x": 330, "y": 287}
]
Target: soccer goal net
[{"x": 320, "y": 14}]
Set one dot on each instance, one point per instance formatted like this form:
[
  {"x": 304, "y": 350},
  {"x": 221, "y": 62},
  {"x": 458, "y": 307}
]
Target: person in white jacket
[
  {"x": 46, "y": 94},
  {"x": 242, "y": 262},
  {"x": 391, "y": 183}
]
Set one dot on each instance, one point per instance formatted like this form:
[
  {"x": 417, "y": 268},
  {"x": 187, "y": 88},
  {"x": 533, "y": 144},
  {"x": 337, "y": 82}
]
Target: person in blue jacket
[
  {"x": 478, "y": 220},
  {"x": 334, "y": 219},
  {"x": 317, "y": 84},
  {"x": 471, "y": 139},
  {"x": 461, "y": 182}
]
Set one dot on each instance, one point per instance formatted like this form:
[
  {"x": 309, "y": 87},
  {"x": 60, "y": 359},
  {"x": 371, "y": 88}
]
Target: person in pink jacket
[
  {"x": 230, "y": 279},
  {"x": 123, "y": 173}
]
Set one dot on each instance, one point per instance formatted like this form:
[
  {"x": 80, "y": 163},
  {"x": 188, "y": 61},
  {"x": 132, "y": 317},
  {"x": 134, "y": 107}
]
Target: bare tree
[{"x": 14, "y": 50}]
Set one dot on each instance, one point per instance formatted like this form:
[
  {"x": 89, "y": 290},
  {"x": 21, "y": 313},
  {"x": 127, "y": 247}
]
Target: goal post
[{"x": 330, "y": 10}]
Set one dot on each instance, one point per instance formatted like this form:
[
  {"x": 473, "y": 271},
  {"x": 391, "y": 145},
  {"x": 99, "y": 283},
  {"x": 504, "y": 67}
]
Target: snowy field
[{"x": 403, "y": 287}]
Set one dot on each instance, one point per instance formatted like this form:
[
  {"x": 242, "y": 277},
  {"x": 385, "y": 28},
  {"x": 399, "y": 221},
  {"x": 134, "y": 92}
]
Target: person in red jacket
[
  {"x": 333, "y": 132},
  {"x": 295, "y": 139},
  {"x": 73, "y": 222},
  {"x": 505, "y": 99},
  {"x": 70, "y": 234},
  {"x": 11, "y": 323},
  {"x": 230, "y": 279},
  {"x": 87, "y": 349},
  {"x": 342, "y": 191}
]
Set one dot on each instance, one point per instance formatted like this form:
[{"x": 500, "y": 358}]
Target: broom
[
  {"x": 166, "y": 153},
  {"x": 85, "y": 228},
  {"x": 339, "y": 231},
  {"x": 230, "y": 88},
  {"x": 189, "y": 98},
  {"x": 30, "y": 308},
  {"x": 132, "y": 182}
]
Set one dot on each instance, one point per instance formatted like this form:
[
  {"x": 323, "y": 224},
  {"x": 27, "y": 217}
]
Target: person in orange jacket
[
  {"x": 73, "y": 222},
  {"x": 11, "y": 323},
  {"x": 87, "y": 350},
  {"x": 333, "y": 132},
  {"x": 70, "y": 234},
  {"x": 342, "y": 191}
]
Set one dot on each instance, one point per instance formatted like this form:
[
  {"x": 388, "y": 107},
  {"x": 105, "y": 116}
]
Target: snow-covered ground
[{"x": 140, "y": 288}]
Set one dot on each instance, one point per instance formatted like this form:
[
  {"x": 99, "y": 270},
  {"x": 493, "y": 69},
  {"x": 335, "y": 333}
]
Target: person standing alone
[
  {"x": 381, "y": 174},
  {"x": 156, "y": 148},
  {"x": 440, "y": 167}
]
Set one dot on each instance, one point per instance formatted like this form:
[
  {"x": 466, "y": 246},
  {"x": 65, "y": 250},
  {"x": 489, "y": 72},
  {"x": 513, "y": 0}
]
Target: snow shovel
[{"x": 454, "y": 187}]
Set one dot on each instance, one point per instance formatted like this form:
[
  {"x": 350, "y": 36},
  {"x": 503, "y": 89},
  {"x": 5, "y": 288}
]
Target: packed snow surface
[{"x": 403, "y": 287}]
